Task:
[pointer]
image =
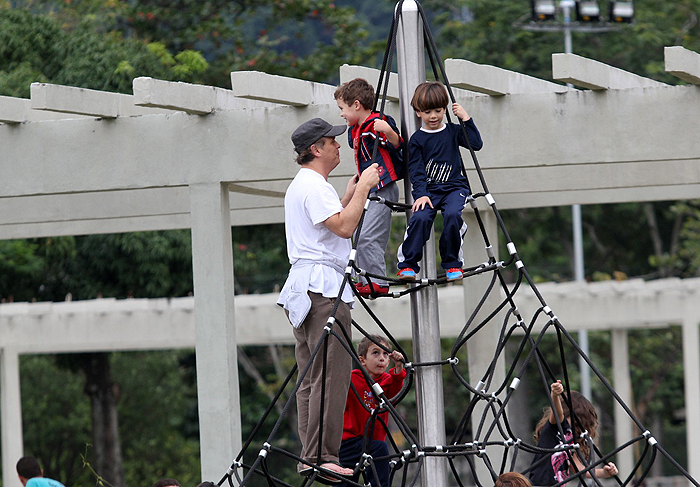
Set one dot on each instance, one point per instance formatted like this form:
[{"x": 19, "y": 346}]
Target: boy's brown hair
[
  {"x": 430, "y": 95},
  {"x": 366, "y": 342},
  {"x": 356, "y": 89},
  {"x": 512, "y": 479}
]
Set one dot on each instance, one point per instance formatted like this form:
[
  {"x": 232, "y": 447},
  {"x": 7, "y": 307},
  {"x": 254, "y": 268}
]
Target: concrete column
[
  {"x": 424, "y": 309},
  {"x": 691, "y": 372},
  {"x": 624, "y": 427},
  {"x": 482, "y": 346},
  {"x": 10, "y": 416},
  {"x": 215, "y": 330}
]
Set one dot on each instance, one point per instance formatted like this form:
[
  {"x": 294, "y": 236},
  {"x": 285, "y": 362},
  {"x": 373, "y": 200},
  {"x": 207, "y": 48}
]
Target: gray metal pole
[
  {"x": 424, "y": 310},
  {"x": 579, "y": 274}
]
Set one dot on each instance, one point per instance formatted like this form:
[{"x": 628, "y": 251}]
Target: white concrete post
[
  {"x": 482, "y": 346},
  {"x": 623, "y": 385},
  {"x": 10, "y": 416},
  {"x": 215, "y": 330},
  {"x": 691, "y": 373}
]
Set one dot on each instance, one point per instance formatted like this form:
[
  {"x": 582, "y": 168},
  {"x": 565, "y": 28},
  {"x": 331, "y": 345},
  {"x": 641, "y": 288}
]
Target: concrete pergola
[{"x": 174, "y": 155}]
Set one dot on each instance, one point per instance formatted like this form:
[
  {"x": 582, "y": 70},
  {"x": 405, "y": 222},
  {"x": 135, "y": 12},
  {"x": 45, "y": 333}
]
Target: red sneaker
[{"x": 364, "y": 289}]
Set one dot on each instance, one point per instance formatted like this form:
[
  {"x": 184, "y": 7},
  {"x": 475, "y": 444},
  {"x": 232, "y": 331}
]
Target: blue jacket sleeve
[{"x": 472, "y": 133}]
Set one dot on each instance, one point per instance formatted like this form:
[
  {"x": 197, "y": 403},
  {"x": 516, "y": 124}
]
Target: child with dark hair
[
  {"x": 374, "y": 356},
  {"x": 435, "y": 170},
  {"x": 512, "y": 479},
  {"x": 31, "y": 474},
  {"x": 355, "y": 100},
  {"x": 547, "y": 435}
]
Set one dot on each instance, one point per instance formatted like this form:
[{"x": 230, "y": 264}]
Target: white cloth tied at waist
[{"x": 294, "y": 297}]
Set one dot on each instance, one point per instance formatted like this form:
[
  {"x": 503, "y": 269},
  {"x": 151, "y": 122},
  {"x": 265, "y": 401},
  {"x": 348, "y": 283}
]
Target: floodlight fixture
[
  {"x": 587, "y": 11},
  {"x": 621, "y": 11},
  {"x": 543, "y": 9}
]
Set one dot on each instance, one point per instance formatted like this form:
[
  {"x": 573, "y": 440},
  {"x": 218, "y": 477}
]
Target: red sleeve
[{"x": 393, "y": 382}]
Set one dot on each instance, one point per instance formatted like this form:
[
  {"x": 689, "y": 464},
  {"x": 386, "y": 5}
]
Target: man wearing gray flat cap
[{"x": 318, "y": 226}]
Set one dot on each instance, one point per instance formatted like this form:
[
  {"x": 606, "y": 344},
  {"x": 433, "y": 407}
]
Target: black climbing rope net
[{"x": 484, "y": 435}]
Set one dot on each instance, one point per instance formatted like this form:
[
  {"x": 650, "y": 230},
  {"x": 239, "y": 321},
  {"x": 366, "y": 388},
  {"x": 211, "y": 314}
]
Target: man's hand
[
  {"x": 369, "y": 177},
  {"x": 420, "y": 203},
  {"x": 350, "y": 189}
]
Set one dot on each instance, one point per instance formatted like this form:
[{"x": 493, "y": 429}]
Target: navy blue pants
[
  {"x": 350, "y": 454},
  {"x": 421, "y": 223}
]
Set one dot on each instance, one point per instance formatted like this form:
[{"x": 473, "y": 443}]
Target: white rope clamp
[
  {"x": 472, "y": 202},
  {"x": 377, "y": 389},
  {"x": 515, "y": 383},
  {"x": 480, "y": 387},
  {"x": 489, "y": 199},
  {"x": 263, "y": 452},
  {"x": 511, "y": 248},
  {"x": 519, "y": 264},
  {"x": 438, "y": 448},
  {"x": 367, "y": 203},
  {"x": 490, "y": 252},
  {"x": 353, "y": 253},
  {"x": 425, "y": 280},
  {"x": 453, "y": 360},
  {"x": 547, "y": 310}
]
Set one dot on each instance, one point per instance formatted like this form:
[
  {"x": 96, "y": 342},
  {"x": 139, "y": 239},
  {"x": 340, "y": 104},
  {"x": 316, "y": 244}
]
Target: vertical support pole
[
  {"x": 424, "y": 309},
  {"x": 691, "y": 372},
  {"x": 481, "y": 347},
  {"x": 623, "y": 385},
  {"x": 10, "y": 415},
  {"x": 215, "y": 330}
]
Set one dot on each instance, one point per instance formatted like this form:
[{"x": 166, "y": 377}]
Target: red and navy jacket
[
  {"x": 356, "y": 416},
  {"x": 362, "y": 138}
]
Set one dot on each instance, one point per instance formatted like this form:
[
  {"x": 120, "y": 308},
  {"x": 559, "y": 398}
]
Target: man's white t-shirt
[{"x": 310, "y": 200}]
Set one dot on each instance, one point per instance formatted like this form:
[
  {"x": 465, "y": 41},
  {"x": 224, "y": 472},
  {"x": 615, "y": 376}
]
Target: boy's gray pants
[{"x": 374, "y": 234}]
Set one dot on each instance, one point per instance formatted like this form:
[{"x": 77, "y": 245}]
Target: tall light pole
[
  {"x": 545, "y": 11},
  {"x": 579, "y": 269}
]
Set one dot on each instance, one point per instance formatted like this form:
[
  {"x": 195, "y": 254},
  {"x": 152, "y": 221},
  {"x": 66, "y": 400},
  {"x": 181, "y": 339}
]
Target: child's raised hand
[
  {"x": 610, "y": 469},
  {"x": 420, "y": 203},
  {"x": 382, "y": 126},
  {"x": 398, "y": 360},
  {"x": 557, "y": 388},
  {"x": 460, "y": 112}
]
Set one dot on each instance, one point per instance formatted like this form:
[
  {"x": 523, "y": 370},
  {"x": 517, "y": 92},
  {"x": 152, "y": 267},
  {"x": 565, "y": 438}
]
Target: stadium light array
[
  {"x": 587, "y": 11},
  {"x": 543, "y": 9},
  {"x": 621, "y": 11}
]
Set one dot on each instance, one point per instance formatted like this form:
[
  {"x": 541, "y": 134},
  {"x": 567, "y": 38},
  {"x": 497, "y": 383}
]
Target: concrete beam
[
  {"x": 19, "y": 110},
  {"x": 14, "y": 110},
  {"x": 682, "y": 63},
  {"x": 187, "y": 97},
  {"x": 595, "y": 75},
  {"x": 280, "y": 89},
  {"x": 348, "y": 72},
  {"x": 495, "y": 81},
  {"x": 70, "y": 99},
  {"x": 153, "y": 324}
]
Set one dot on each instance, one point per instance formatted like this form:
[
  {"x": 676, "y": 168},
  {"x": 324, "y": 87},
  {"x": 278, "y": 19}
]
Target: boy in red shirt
[
  {"x": 355, "y": 100},
  {"x": 357, "y": 414}
]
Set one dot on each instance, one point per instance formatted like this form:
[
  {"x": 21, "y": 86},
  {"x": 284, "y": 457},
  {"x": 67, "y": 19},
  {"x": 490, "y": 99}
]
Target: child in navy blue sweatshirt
[{"x": 436, "y": 175}]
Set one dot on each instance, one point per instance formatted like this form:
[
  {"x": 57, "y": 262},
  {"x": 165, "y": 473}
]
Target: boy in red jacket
[
  {"x": 355, "y": 100},
  {"x": 361, "y": 401}
]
